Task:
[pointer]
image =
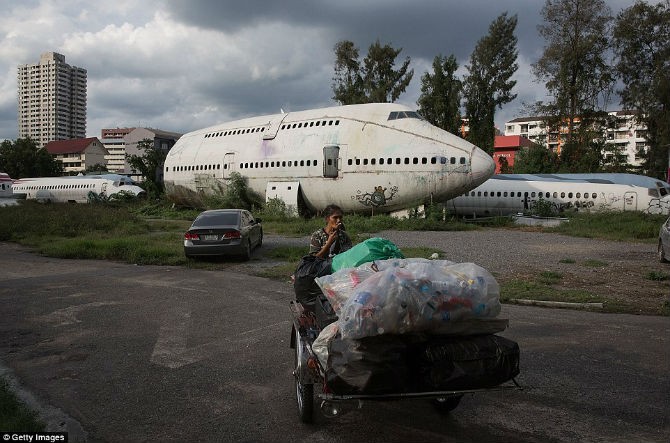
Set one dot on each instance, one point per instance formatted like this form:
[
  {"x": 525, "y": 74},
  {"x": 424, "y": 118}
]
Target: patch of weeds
[
  {"x": 665, "y": 308},
  {"x": 14, "y": 414},
  {"x": 550, "y": 277},
  {"x": 658, "y": 276},
  {"x": 568, "y": 260},
  {"x": 592, "y": 263}
]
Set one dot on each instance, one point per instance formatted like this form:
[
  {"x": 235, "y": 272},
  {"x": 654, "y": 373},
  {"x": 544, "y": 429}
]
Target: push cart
[{"x": 309, "y": 372}]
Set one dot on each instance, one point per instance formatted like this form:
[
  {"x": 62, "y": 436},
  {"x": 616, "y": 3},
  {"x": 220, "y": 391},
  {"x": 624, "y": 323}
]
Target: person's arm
[{"x": 325, "y": 249}]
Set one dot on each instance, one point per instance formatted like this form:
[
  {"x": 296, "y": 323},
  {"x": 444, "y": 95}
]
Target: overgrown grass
[
  {"x": 14, "y": 415},
  {"x": 540, "y": 289},
  {"x": 618, "y": 226}
]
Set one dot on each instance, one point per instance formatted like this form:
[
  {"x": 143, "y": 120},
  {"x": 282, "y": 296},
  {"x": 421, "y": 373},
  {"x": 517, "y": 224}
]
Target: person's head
[{"x": 333, "y": 215}]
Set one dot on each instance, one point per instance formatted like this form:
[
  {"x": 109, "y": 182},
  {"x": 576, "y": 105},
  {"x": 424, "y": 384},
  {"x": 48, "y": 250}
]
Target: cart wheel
[
  {"x": 445, "y": 405},
  {"x": 304, "y": 392}
]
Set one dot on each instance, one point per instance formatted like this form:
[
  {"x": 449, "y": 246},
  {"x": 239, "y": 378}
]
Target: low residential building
[
  {"x": 78, "y": 154},
  {"x": 122, "y": 142},
  {"x": 506, "y": 147}
]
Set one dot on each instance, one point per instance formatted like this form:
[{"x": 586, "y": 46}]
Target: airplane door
[
  {"x": 273, "y": 127},
  {"x": 104, "y": 188},
  {"x": 331, "y": 154},
  {"x": 228, "y": 164},
  {"x": 630, "y": 201}
]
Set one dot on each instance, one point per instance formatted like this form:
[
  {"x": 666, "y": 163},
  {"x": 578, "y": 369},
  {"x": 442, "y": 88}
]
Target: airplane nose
[{"x": 482, "y": 166}]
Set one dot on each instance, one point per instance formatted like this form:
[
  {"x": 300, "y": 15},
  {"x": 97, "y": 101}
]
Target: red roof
[
  {"x": 75, "y": 145},
  {"x": 511, "y": 141}
]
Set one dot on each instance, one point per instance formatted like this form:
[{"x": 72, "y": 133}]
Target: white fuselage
[
  {"x": 508, "y": 194},
  {"x": 73, "y": 189},
  {"x": 7, "y": 197},
  {"x": 379, "y": 157}
]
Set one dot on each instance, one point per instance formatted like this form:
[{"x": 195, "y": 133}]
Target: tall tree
[
  {"x": 440, "y": 100},
  {"x": 641, "y": 40},
  {"x": 374, "y": 80},
  {"x": 535, "y": 159},
  {"x": 488, "y": 83},
  {"x": 148, "y": 164},
  {"x": 573, "y": 66},
  {"x": 23, "y": 158}
]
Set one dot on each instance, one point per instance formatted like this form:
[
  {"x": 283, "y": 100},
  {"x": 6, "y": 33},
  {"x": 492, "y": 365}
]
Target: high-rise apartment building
[{"x": 52, "y": 100}]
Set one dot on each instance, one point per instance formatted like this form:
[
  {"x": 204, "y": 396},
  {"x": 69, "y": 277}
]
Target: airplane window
[
  {"x": 283, "y": 126},
  {"x": 555, "y": 194},
  {"x": 389, "y": 161},
  {"x": 452, "y": 160},
  {"x": 498, "y": 193},
  {"x": 294, "y": 125},
  {"x": 462, "y": 160},
  {"x": 424, "y": 160},
  {"x": 314, "y": 162},
  {"x": 505, "y": 194},
  {"x": 397, "y": 160},
  {"x": 323, "y": 123},
  {"x": 225, "y": 166},
  {"x": 358, "y": 161},
  {"x": 373, "y": 161},
  {"x": 330, "y": 123},
  {"x": 290, "y": 163},
  {"x": 300, "y": 125},
  {"x": 302, "y": 162},
  {"x": 569, "y": 194},
  {"x": 317, "y": 123},
  {"x": 308, "y": 162},
  {"x": 486, "y": 194},
  {"x": 594, "y": 196},
  {"x": 349, "y": 162},
  {"x": 578, "y": 195},
  {"x": 337, "y": 122},
  {"x": 283, "y": 164},
  {"x": 479, "y": 193},
  {"x": 393, "y": 115},
  {"x": 433, "y": 160},
  {"x": 407, "y": 160},
  {"x": 443, "y": 160},
  {"x": 415, "y": 161},
  {"x": 365, "y": 161},
  {"x": 525, "y": 194},
  {"x": 562, "y": 194},
  {"x": 532, "y": 194},
  {"x": 381, "y": 161},
  {"x": 311, "y": 124}
]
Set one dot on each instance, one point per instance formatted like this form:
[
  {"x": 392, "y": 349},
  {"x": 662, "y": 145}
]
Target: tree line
[{"x": 588, "y": 52}]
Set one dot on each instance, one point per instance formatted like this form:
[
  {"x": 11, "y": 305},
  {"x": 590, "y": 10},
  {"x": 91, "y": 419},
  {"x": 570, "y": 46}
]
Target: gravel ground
[{"x": 617, "y": 271}]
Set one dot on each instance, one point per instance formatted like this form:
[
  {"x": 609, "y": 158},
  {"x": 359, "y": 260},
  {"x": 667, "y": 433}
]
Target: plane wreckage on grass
[{"x": 369, "y": 158}]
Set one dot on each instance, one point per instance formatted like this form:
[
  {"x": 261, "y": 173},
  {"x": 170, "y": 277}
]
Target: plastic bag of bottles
[{"x": 413, "y": 295}]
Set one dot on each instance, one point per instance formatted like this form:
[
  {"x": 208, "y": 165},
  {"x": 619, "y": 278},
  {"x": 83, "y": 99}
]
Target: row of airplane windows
[
  {"x": 35, "y": 187},
  {"x": 408, "y": 160},
  {"x": 350, "y": 162},
  {"x": 530, "y": 194},
  {"x": 284, "y": 126},
  {"x": 310, "y": 124}
]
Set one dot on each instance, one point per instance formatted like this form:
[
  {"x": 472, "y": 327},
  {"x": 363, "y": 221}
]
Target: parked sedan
[
  {"x": 664, "y": 242},
  {"x": 223, "y": 232}
]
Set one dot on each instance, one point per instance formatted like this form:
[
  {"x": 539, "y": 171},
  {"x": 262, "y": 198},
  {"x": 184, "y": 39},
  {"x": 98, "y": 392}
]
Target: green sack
[{"x": 367, "y": 251}]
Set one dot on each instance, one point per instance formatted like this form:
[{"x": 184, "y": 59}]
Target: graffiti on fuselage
[
  {"x": 658, "y": 206},
  {"x": 376, "y": 198}
]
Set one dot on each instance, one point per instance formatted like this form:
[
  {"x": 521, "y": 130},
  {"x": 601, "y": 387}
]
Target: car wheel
[
  {"x": 661, "y": 253},
  {"x": 246, "y": 254},
  {"x": 445, "y": 405}
]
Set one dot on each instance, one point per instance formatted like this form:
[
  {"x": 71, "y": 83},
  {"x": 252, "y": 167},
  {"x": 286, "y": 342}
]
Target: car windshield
[{"x": 223, "y": 218}]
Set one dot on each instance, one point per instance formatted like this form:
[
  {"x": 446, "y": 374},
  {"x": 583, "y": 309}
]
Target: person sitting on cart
[{"x": 332, "y": 239}]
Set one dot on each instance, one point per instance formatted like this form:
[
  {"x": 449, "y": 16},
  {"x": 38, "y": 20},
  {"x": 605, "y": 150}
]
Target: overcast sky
[{"x": 180, "y": 65}]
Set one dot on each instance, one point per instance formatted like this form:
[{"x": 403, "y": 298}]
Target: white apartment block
[
  {"x": 624, "y": 134},
  {"x": 52, "y": 100}
]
